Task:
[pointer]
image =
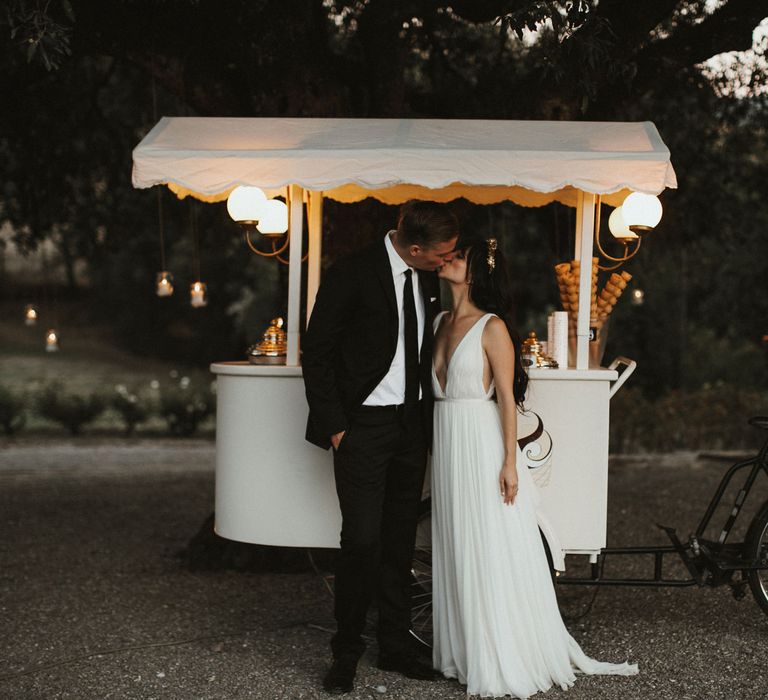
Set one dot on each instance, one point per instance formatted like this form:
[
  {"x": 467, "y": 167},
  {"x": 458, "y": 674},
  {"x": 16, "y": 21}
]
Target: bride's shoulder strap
[{"x": 487, "y": 318}]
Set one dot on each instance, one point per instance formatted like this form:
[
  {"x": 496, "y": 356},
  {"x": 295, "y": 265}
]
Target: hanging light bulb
[
  {"x": 637, "y": 297},
  {"x": 274, "y": 221},
  {"x": 245, "y": 205},
  {"x": 51, "y": 341},
  {"x": 30, "y": 315},
  {"x": 641, "y": 212},
  {"x": 164, "y": 284},
  {"x": 198, "y": 294},
  {"x": 618, "y": 226}
]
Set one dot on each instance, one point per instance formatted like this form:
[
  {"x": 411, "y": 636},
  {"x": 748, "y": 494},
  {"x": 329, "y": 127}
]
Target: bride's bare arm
[{"x": 500, "y": 352}]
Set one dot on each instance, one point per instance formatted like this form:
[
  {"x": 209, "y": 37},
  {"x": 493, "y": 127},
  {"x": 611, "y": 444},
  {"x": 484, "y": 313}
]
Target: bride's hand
[{"x": 508, "y": 483}]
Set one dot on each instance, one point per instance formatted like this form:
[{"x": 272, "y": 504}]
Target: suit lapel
[{"x": 384, "y": 273}]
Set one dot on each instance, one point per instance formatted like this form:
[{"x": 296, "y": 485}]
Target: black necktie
[{"x": 411, "y": 344}]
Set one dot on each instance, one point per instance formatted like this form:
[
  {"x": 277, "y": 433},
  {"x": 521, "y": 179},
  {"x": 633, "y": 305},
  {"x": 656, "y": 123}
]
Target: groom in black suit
[{"x": 367, "y": 358}]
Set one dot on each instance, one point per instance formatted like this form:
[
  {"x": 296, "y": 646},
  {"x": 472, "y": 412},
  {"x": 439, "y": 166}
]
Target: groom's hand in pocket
[{"x": 336, "y": 439}]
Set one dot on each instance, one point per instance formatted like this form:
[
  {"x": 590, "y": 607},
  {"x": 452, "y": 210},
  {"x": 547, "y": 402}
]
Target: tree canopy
[{"x": 85, "y": 80}]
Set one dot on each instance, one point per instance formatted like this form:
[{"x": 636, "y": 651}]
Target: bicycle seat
[{"x": 759, "y": 422}]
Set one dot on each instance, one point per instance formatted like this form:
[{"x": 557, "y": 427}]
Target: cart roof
[{"x": 394, "y": 160}]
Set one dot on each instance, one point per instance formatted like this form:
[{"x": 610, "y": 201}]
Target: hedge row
[
  {"x": 712, "y": 418},
  {"x": 182, "y": 405}
]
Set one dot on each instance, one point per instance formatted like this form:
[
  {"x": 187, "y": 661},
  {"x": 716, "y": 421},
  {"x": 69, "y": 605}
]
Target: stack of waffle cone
[
  {"x": 601, "y": 305},
  {"x": 610, "y": 294}
]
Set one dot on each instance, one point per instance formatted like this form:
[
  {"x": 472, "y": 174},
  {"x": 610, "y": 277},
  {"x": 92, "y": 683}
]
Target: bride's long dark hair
[{"x": 490, "y": 289}]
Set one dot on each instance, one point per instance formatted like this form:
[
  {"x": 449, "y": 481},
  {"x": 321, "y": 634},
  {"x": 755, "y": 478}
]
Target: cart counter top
[{"x": 246, "y": 369}]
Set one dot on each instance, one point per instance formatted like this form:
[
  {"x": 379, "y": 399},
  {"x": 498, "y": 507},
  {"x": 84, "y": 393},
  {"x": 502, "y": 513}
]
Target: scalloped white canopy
[{"x": 528, "y": 162}]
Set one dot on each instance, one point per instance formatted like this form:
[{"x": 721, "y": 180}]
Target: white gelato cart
[{"x": 274, "y": 488}]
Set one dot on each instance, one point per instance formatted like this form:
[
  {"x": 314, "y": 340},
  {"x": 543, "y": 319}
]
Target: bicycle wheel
[
  {"x": 756, "y": 549},
  {"x": 421, "y": 577}
]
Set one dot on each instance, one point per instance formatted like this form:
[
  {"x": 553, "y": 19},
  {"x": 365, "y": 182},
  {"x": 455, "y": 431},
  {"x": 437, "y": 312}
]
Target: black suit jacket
[{"x": 352, "y": 336}]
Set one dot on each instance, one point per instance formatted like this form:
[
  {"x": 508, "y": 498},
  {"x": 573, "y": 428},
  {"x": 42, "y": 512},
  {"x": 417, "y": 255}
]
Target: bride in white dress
[{"x": 497, "y": 627}]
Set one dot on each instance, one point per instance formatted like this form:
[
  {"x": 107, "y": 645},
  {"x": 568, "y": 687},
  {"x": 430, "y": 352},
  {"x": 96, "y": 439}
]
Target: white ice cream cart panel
[{"x": 275, "y": 489}]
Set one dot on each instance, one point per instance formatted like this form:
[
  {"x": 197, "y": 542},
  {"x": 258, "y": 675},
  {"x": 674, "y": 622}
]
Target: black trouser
[{"x": 379, "y": 470}]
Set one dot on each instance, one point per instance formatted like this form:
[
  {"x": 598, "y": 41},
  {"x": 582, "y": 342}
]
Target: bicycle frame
[
  {"x": 700, "y": 556},
  {"x": 757, "y": 462}
]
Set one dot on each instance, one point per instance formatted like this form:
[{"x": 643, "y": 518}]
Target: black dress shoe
[
  {"x": 341, "y": 676},
  {"x": 409, "y": 666}
]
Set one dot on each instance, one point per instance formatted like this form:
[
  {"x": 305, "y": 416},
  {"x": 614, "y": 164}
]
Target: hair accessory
[{"x": 491, "y": 259}]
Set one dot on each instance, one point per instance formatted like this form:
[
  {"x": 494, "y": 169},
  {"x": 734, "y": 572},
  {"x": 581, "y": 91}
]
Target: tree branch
[
  {"x": 634, "y": 21},
  {"x": 727, "y": 29}
]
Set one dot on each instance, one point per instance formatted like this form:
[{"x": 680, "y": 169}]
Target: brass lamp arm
[
  {"x": 288, "y": 262},
  {"x": 619, "y": 261},
  {"x": 275, "y": 251}
]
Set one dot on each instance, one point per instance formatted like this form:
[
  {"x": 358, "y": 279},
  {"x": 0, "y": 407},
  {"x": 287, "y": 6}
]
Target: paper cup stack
[{"x": 557, "y": 337}]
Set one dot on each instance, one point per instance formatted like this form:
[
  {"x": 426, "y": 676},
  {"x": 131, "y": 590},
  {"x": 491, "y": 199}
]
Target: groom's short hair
[{"x": 426, "y": 223}]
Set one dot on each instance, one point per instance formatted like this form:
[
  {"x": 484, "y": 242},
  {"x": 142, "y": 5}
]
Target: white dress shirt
[{"x": 391, "y": 389}]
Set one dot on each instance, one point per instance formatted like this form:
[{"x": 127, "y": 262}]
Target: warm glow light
[
  {"x": 198, "y": 296},
  {"x": 274, "y": 219},
  {"x": 618, "y": 226},
  {"x": 51, "y": 341},
  {"x": 638, "y": 297},
  {"x": 245, "y": 204},
  {"x": 164, "y": 284},
  {"x": 641, "y": 212},
  {"x": 30, "y": 315}
]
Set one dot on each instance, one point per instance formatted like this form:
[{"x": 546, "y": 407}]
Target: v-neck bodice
[{"x": 464, "y": 370}]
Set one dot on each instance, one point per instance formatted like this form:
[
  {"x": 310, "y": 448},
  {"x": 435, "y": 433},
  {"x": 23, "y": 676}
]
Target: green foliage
[
  {"x": 184, "y": 405},
  {"x": 12, "y": 410},
  {"x": 63, "y": 172},
  {"x": 133, "y": 406},
  {"x": 564, "y": 16},
  {"x": 42, "y": 30},
  {"x": 69, "y": 409}
]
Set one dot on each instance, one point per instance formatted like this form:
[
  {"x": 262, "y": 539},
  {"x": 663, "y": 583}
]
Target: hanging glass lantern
[
  {"x": 51, "y": 341},
  {"x": 164, "y": 284},
  {"x": 198, "y": 294},
  {"x": 641, "y": 212},
  {"x": 30, "y": 315}
]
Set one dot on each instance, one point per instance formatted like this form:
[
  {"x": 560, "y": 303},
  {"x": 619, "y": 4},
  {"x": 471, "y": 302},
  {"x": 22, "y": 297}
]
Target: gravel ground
[{"x": 94, "y": 602}]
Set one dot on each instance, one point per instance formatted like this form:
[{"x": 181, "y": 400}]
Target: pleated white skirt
[{"x": 497, "y": 626}]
